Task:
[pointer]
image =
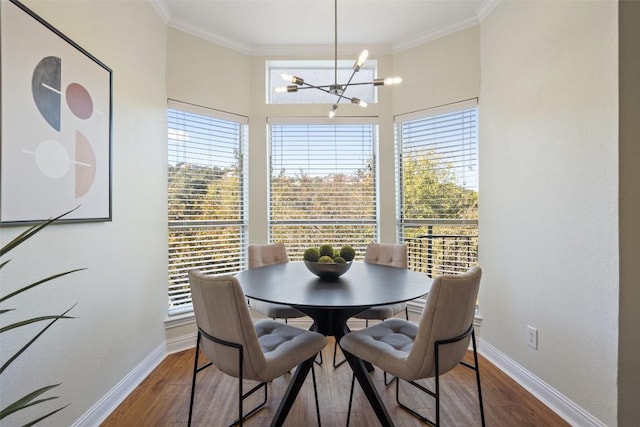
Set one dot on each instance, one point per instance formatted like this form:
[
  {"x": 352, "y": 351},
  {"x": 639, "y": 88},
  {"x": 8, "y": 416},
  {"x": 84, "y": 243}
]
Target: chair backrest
[
  {"x": 261, "y": 255},
  {"x": 221, "y": 311},
  {"x": 391, "y": 254},
  {"x": 448, "y": 313}
]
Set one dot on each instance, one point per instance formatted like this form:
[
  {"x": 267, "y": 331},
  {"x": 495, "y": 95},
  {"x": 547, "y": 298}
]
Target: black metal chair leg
[
  {"x": 315, "y": 394},
  {"x": 335, "y": 352},
  {"x": 353, "y": 381},
  {"x": 436, "y": 394}
]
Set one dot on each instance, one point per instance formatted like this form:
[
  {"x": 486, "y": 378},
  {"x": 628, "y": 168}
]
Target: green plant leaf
[
  {"x": 39, "y": 282},
  {"x": 4, "y": 263},
  {"x": 27, "y": 345},
  {"x": 22, "y": 237},
  {"x": 6, "y": 310},
  {"x": 45, "y": 416},
  {"x": 28, "y": 400},
  {"x": 33, "y": 320}
]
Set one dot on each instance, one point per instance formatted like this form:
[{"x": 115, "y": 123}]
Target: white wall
[
  {"x": 122, "y": 295},
  {"x": 549, "y": 193}
]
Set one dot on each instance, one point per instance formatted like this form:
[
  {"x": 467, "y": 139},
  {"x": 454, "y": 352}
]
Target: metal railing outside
[{"x": 441, "y": 248}]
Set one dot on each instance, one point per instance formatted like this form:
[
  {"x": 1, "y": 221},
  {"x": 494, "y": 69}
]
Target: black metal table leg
[
  {"x": 292, "y": 392},
  {"x": 360, "y": 372}
]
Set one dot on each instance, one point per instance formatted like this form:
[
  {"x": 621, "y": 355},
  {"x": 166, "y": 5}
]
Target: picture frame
[{"x": 56, "y": 120}]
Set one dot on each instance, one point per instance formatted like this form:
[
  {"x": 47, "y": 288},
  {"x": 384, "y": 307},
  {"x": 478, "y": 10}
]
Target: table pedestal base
[{"x": 333, "y": 322}]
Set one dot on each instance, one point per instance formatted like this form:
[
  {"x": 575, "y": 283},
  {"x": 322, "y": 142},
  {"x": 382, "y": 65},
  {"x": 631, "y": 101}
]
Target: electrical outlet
[{"x": 532, "y": 338}]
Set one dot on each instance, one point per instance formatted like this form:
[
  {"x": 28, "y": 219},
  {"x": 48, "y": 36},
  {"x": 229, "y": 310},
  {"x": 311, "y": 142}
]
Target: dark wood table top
[{"x": 364, "y": 285}]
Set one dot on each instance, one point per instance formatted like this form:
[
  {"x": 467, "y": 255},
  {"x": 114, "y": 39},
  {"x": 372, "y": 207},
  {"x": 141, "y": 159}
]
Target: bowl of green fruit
[{"x": 328, "y": 263}]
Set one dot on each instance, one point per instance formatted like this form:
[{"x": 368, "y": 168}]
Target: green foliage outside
[
  {"x": 205, "y": 224},
  {"x": 430, "y": 192},
  {"x": 308, "y": 211}
]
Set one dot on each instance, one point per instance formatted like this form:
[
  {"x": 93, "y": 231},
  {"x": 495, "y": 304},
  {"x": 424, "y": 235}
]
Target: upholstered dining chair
[
  {"x": 429, "y": 349},
  {"x": 391, "y": 254},
  {"x": 230, "y": 340},
  {"x": 271, "y": 254}
]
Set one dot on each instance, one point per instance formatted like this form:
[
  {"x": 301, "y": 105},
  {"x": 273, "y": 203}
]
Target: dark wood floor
[{"x": 162, "y": 399}]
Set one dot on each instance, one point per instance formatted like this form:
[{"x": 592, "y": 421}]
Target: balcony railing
[{"x": 441, "y": 247}]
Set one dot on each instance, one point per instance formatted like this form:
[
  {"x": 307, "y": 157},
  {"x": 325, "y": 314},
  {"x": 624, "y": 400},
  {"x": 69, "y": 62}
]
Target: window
[
  {"x": 206, "y": 196},
  {"x": 437, "y": 176},
  {"x": 319, "y": 73},
  {"x": 322, "y": 185}
]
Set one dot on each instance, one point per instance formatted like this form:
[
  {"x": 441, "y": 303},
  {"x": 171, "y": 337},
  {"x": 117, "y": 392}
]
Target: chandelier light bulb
[
  {"x": 281, "y": 89},
  {"x": 359, "y": 102},
  {"x": 361, "y": 60},
  {"x": 286, "y": 77},
  {"x": 392, "y": 80},
  {"x": 332, "y": 113}
]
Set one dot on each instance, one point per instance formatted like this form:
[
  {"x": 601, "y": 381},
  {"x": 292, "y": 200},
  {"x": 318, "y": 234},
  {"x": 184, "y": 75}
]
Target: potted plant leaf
[{"x": 37, "y": 396}]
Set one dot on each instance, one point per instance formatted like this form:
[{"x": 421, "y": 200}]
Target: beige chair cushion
[
  {"x": 263, "y": 255},
  {"x": 405, "y": 349},
  {"x": 275, "y": 311},
  {"x": 285, "y": 346},
  {"x": 394, "y": 255},
  {"x": 270, "y": 348}
]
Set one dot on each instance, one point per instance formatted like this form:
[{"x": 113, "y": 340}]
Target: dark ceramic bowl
[{"x": 326, "y": 270}]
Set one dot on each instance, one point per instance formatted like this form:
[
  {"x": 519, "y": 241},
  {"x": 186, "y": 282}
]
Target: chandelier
[{"x": 335, "y": 88}]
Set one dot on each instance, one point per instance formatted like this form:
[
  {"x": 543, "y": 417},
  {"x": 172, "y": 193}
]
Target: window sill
[{"x": 178, "y": 320}]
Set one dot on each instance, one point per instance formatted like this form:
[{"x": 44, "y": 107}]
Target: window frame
[
  {"x": 465, "y": 224},
  {"x": 220, "y": 122},
  {"x": 297, "y": 249}
]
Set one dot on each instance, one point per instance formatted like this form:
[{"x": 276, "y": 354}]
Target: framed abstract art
[{"x": 56, "y": 124}]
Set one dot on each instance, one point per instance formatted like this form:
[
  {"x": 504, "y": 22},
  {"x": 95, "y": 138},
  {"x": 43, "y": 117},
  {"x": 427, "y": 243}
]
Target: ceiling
[{"x": 263, "y": 27}]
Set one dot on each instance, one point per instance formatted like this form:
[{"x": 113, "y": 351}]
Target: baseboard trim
[
  {"x": 181, "y": 343},
  {"x": 114, "y": 397},
  {"x": 556, "y": 401}
]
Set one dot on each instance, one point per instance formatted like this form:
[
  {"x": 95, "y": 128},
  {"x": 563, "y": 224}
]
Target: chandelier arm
[{"x": 322, "y": 88}]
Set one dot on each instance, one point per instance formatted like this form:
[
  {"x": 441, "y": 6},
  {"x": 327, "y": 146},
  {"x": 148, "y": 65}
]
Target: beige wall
[
  {"x": 122, "y": 295},
  {"x": 443, "y": 71},
  {"x": 549, "y": 193},
  {"x": 202, "y": 73},
  {"x": 548, "y": 233},
  {"x": 629, "y": 338}
]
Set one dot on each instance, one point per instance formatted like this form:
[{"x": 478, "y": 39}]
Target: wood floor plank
[{"x": 162, "y": 399}]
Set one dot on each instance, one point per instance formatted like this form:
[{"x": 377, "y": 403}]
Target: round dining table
[{"x": 330, "y": 302}]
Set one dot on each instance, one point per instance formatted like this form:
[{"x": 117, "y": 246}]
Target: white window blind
[
  {"x": 207, "y": 196},
  {"x": 437, "y": 176},
  {"x": 322, "y": 185}
]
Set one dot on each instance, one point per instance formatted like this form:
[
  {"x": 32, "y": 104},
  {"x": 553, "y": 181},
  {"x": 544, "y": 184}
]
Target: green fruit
[
  {"x": 326, "y": 250},
  {"x": 311, "y": 255},
  {"x": 326, "y": 259},
  {"x": 339, "y": 260},
  {"x": 348, "y": 253}
]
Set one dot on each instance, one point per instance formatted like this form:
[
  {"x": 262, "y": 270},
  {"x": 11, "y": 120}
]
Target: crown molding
[
  {"x": 209, "y": 36},
  {"x": 434, "y": 34},
  {"x": 161, "y": 9},
  {"x": 486, "y": 8},
  {"x": 482, "y": 12},
  {"x": 346, "y": 51}
]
